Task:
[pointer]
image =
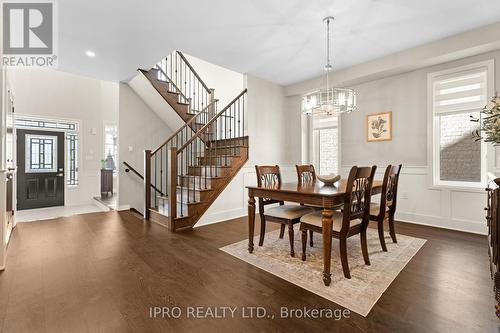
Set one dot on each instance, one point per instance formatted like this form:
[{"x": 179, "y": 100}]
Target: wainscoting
[
  {"x": 443, "y": 207},
  {"x": 418, "y": 202}
]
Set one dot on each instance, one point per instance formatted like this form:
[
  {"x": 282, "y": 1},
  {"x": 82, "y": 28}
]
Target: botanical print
[{"x": 379, "y": 126}]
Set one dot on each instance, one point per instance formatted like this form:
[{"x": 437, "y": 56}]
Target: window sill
[{"x": 476, "y": 188}]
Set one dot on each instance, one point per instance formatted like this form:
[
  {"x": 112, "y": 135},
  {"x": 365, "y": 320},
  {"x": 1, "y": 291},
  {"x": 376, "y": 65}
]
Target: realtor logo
[{"x": 28, "y": 34}]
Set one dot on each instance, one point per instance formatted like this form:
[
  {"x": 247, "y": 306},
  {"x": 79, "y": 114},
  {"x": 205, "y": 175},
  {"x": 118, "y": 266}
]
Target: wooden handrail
[
  {"x": 130, "y": 168},
  {"x": 194, "y": 72},
  {"x": 184, "y": 126},
  {"x": 211, "y": 121}
]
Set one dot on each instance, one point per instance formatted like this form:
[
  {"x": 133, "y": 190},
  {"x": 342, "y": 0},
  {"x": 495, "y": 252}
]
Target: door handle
[{"x": 60, "y": 174}]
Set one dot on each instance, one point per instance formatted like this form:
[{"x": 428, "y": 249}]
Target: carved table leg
[
  {"x": 327, "y": 245},
  {"x": 251, "y": 222}
]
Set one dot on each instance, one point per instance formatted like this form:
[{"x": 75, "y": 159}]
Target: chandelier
[{"x": 330, "y": 101}]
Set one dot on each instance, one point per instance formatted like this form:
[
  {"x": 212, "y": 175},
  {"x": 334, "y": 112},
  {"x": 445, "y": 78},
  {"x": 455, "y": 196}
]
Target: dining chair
[
  {"x": 307, "y": 174},
  {"x": 286, "y": 215},
  {"x": 352, "y": 220},
  {"x": 387, "y": 207}
]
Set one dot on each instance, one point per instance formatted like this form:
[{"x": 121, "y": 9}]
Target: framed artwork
[{"x": 379, "y": 126}]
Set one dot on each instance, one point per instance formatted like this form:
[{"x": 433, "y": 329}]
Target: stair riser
[
  {"x": 217, "y": 160},
  {"x": 193, "y": 195},
  {"x": 204, "y": 171},
  {"x": 181, "y": 208},
  {"x": 223, "y": 151},
  {"x": 196, "y": 182},
  {"x": 231, "y": 142}
]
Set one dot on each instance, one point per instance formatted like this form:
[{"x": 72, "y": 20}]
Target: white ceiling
[{"x": 279, "y": 40}]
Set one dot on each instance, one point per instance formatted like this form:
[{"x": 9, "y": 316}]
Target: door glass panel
[{"x": 41, "y": 153}]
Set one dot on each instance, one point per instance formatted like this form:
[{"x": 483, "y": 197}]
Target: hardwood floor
[{"x": 102, "y": 272}]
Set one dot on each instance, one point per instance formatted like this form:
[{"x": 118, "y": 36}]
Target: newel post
[
  {"x": 172, "y": 186},
  {"x": 147, "y": 183},
  {"x": 211, "y": 111}
]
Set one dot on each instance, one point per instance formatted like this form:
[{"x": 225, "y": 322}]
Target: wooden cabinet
[
  {"x": 106, "y": 182},
  {"x": 493, "y": 221}
]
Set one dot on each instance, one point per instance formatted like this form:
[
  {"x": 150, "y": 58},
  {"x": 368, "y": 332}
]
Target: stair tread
[
  {"x": 195, "y": 189},
  {"x": 221, "y": 155},
  {"x": 207, "y": 177}
]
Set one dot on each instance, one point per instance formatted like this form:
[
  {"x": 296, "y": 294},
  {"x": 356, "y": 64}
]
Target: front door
[{"x": 40, "y": 169}]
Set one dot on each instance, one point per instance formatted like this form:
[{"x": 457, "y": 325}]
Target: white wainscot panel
[{"x": 468, "y": 206}]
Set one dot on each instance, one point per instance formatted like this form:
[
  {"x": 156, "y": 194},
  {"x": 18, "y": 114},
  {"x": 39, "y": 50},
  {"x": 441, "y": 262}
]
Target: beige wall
[{"x": 59, "y": 95}]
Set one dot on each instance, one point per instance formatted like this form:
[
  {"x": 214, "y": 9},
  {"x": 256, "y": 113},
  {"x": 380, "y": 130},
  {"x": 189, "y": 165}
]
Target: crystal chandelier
[{"x": 330, "y": 101}]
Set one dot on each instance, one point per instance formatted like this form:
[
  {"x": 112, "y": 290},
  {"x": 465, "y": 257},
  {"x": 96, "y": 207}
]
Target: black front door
[{"x": 40, "y": 169}]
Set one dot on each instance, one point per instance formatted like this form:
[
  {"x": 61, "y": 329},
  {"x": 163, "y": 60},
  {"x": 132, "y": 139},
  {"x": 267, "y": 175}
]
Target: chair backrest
[
  {"x": 390, "y": 188},
  {"x": 305, "y": 173},
  {"x": 268, "y": 176},
  {"x": 358, "y": 195}
]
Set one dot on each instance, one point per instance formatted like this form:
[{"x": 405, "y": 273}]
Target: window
[
  {"x": 111, "y": 143},
  {"x": 325, "y": 144},
  {"x": 42, "y": 162},
  {"x": 458, "y": 159},
  {"x": 41, "y": 153},
  {"x": 72, "y": 158}
]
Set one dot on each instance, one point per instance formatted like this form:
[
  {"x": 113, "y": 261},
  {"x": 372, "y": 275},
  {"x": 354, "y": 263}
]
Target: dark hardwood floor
[{"x": 102, "y": 272}]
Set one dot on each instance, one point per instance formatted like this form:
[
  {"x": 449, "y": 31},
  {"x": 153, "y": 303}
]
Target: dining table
[{"x": 317, "y": 194}]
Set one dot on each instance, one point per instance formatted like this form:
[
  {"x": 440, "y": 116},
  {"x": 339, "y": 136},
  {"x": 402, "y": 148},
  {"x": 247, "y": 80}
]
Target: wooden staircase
[
  {"x": 182, "y": 88},
  {"x": 187, "y": 173}
]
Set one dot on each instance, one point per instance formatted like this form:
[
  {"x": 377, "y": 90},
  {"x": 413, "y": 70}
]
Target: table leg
[
  {"x": 327, "y": 245},
  {"x": 251, "y": 222}
]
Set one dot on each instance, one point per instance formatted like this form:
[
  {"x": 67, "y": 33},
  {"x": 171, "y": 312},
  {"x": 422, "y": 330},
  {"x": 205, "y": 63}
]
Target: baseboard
[
  {"x": 443, "y": 223},
  {"x": 222, "y": 216},
  {"x": 123, "y": 207},
  {"x": 100, "y": 205}
]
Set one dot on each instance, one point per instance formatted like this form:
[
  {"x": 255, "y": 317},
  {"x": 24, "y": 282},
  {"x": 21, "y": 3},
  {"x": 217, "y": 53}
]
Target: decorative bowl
[{"x": 329, "y": 180}]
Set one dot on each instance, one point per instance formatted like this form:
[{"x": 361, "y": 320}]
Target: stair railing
[
  {"x": 156, "y": 161},
  {"x": 178, "y": 72},
  {"x": 205, "y": 154}
]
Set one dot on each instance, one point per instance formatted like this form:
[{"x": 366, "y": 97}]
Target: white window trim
[
  {"x": 310, "y": 142},
  {"x": 433, "y": 129}
]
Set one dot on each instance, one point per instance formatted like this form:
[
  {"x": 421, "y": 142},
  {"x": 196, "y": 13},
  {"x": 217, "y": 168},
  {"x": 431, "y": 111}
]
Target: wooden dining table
[{"x": 314, "y": 194}]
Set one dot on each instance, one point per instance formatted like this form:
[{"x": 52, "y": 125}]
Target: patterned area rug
[{"x": 358, "y": 294}]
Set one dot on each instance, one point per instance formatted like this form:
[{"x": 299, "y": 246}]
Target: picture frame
[{"x": 379, "y": 126}]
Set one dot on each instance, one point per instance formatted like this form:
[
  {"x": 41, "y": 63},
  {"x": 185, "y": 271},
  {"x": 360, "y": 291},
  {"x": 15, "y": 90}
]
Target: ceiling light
[
  {"x": 90, "y": 54},
  {"x": 331, "y": 101}
]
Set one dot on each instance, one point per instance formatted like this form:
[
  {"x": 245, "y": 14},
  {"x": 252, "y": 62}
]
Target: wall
[
  {"x": 406, "y": 96},
  {"x": 140, "y": 129},
  {"x": 227, "y": 83},
  {"x": 59, "y": 95}
]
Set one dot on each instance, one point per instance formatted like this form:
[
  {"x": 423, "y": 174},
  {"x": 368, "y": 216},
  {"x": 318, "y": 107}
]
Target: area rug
[{"x": 358, "y": 294}]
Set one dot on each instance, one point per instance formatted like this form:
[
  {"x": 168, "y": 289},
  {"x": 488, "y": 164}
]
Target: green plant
[{"x": 489, "y": 121}]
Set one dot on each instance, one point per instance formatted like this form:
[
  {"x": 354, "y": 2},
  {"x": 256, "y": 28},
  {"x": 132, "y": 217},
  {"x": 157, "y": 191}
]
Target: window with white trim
[
  {"x": 325, "y": 144},
  {"x": 456, "y": 95}
]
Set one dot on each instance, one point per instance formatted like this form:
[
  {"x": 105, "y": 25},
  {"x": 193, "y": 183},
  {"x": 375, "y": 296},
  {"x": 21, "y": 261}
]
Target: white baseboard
[
  {"x": 444, "y": 223},
  {"x": 123, "y": 207},
  {"x": 221, "y": 216}
]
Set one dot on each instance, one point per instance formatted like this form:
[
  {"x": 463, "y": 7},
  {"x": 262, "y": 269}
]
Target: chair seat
[
  {"x": 316, "y": 217},
  {"x": 289, "y": 212},
  {"x": 375, "y": 209}
]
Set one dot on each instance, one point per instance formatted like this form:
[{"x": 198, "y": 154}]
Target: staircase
[
  {"x": 186, "y": 174},
  {"x": 182, "y": 88}
]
